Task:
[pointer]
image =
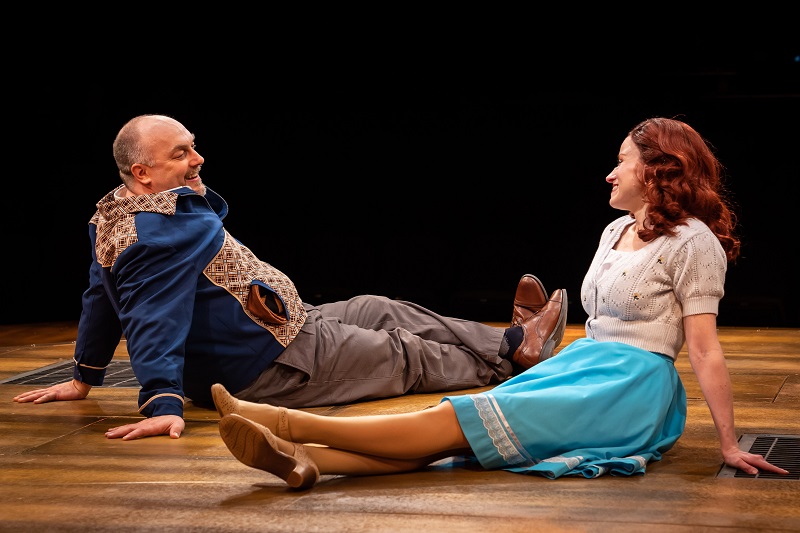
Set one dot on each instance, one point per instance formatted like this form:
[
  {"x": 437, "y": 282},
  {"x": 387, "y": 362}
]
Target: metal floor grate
[
  {"x": 780, "y": 450},
  {"x": 118, "y": 374}
]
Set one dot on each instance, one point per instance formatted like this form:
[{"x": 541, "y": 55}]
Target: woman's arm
[{"x": 708, "y": 363}]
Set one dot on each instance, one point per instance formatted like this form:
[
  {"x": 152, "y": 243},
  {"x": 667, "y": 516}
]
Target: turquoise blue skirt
[{"x": 594, "y": 408}]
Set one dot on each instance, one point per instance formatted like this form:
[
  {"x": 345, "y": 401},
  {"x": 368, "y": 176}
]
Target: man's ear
[{"x": 141, "y": 173}]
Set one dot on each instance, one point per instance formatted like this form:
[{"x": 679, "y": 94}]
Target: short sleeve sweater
[{"x": 641, "y": 297}]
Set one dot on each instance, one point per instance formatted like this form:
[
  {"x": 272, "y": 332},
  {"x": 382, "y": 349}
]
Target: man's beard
[{"x": 199, "y": 188}]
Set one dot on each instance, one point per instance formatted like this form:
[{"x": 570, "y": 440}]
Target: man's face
[{"x": 177, "y": 163}]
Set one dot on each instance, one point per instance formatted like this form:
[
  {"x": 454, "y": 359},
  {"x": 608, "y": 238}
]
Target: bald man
[{"x": 197, "y": 307}]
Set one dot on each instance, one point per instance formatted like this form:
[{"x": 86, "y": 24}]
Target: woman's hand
[{"x": 749, "y": 463}]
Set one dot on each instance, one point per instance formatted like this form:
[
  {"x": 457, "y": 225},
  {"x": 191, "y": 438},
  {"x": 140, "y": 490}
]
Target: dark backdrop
[{"x": 442, "y": 184}]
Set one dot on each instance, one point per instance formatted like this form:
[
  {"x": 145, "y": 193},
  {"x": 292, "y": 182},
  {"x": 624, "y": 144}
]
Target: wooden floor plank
[{"x": 59, "y": 473}]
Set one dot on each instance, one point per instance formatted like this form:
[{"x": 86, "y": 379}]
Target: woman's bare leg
[
  {"x": 343, "y": 462},
  {"x": 420, "y": 434},
  {"x": 416, "y": 435},
  {"x": 301, "y": 464}
]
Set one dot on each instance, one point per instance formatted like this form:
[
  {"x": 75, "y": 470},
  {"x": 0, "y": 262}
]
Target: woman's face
[{"x": 626, "y": 179}]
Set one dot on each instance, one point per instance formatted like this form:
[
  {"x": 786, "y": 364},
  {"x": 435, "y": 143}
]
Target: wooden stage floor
[{"x": 59, "y": 473}]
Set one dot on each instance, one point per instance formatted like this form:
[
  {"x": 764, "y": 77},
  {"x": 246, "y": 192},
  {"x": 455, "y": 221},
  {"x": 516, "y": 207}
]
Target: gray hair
[{"x": 129, "y": 149}]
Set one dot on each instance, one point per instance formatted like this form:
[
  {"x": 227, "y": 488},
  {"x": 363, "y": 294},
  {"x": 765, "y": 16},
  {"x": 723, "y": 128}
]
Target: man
[{"x": 198, "y": 307}]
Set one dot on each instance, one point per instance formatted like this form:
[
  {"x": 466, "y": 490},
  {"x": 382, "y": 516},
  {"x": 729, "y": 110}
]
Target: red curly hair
[{"x": 682, "y": 179}]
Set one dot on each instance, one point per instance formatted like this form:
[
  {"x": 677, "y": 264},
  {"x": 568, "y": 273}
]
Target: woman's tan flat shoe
[
  {"x": 254, "y": 445},
  {"x": 227, "y": 404},
  {"x": 224, "y": 401}
]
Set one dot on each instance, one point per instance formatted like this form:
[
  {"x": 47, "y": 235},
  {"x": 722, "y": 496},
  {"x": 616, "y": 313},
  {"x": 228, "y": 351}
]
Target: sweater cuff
[{"x": 700, "y": 305}]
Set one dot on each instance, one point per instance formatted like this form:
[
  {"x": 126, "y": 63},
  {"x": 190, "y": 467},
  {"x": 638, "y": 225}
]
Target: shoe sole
[
  {"x": 252, "y": 445},
  {"x": 557, "y": 335}
]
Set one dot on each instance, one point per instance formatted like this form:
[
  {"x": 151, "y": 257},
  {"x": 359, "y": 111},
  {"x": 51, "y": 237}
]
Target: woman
[{"x": 609, "y": 402}]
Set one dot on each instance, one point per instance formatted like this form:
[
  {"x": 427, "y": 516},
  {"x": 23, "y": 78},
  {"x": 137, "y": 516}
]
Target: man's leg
[{"x": 373, "y": 347}]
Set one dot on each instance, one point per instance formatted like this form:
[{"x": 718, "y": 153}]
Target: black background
[{"x": 439, "y": 181}]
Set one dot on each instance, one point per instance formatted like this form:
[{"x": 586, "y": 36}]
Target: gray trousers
[{"x": 373, "y": 347}]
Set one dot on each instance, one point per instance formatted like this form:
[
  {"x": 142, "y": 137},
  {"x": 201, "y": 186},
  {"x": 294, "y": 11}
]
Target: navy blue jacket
[{"x": 169, "y": 277}]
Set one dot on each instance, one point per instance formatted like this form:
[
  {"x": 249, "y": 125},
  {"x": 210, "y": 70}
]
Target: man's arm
[
  {"x": 99, "y": 329},
  {"x": 75, "y": 390}
]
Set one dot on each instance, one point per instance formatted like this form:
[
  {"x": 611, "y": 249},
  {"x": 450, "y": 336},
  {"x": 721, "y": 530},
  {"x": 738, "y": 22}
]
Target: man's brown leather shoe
[
  {"x": 543, "y": 332},
  {"x": 529, "y": 299}
]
